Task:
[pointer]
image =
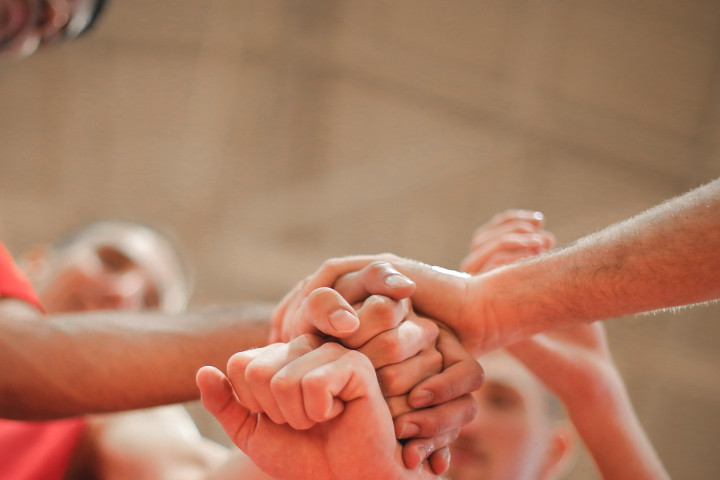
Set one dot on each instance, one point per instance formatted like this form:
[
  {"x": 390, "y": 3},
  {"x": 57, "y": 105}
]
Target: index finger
[{"x": 377, "y": 278}]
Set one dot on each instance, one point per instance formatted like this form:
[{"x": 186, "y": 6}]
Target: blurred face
[
  {"x": 509, "y": 436},
  {"x": 113, "y": 268},
  {"x": 25, "y": 25}
]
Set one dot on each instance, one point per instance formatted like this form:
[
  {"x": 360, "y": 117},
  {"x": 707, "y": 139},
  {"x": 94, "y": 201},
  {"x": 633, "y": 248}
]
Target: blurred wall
[{"x": 272, "y": 135}]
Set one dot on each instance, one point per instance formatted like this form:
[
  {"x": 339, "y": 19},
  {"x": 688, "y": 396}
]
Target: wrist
[{"x": 493, "y": 311}]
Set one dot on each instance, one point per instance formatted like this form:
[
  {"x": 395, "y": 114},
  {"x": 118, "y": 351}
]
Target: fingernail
[
  {"x": 445, "y": 455},
  {"x": 445, "y": 461},
  {"x": 343, "y": 321},
  {"x": 422, "y": 398},
  {"x": 422, "y": 451},
  {"x": 538, "y": 216},
  {"x": 397, "y": 281},
  {"x": 409, "y": 430},
  {"x": 537, "y": 239}
]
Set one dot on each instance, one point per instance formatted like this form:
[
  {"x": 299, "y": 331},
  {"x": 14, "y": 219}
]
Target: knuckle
[
  {"x": 470, "y": 410},
  {"x": 319, "y": 294},
  {"x": 376, "y": 267},
  {"x": 236, "y": 364},
  {"x": 430, "y": 328},
  {"x": 389, "y": 380},
  {"x": 312, "y": 385},
  {"x": 380, "y": 309},
  {"x": 357, "y": 357},
  {"x": 281, "y": 385},
  {"x": 258, "y": 372},
  {"x": 390, "y": 349},
  {"x": 435, "y": 359}
]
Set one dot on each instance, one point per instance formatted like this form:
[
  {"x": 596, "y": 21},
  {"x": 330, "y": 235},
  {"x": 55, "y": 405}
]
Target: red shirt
[
  {"x": 33, "y": 450},
  {"x": 13, "y": 283}
]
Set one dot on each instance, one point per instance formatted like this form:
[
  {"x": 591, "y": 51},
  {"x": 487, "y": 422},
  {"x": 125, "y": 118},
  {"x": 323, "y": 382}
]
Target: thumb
[{"x": 218, "y": 398}]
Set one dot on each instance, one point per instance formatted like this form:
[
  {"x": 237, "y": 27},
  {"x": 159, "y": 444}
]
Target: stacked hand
[
  {"x": 418, "y": 364},
  {"x": 305, "y": 410}
]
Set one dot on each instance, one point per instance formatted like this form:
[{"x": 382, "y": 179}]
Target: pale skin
[
  {"x": 576, "y": 357},
  {"x": 96, "y": 272},
  {"x": 439, "y": 400},
  {"x": 126, "y": 267},
  {"x": 313, "y": 410},
  {"x": 35, "y": 385},
  {"x": 516, "y": 434},
  {"x": 575, "y": 363},
  {"x": 664, "y": 257},
  {"x": 338, "y": 424}
]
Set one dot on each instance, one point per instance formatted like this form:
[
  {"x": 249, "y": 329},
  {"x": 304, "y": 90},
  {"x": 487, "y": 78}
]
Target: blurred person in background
[
  {"x": 113, "y": 265},
  {"x": 107, "y": 265},
  {"x": 27, "y": 25}
]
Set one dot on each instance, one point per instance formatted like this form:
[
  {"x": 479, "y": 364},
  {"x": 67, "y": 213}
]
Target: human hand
[
  {"x": 436, "y": 293},
  {"x": 429, "y": 416},
  {"x": 405, "y": 350},
  {"x": 508, "y": 236},
  {"x": 289, "y": 320},
  {"x": 303, "y": 410}
]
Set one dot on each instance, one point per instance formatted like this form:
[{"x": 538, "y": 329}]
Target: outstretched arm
[
  {"x": 334, "y": 423},
  {"x": 52, "y": 367},
  {"x": 664, "y": 257},
  {"x": 575, "y": 363}
]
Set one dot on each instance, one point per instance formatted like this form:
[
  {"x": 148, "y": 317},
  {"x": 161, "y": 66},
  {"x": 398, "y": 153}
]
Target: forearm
[
  {"x": 606, "y": 421},
  {"x": 99, "y": 362},
  {"x": 664, "y": 257}
]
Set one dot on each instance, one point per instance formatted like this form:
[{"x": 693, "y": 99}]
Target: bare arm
[
  {"x": 107, "y": 361},
  {"x": 576, "y": 364},
  {"x": 664, "y": 257}
]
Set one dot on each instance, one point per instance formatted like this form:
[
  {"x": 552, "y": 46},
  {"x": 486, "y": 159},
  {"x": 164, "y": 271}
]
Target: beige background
[{"x": 272, "y": 135}]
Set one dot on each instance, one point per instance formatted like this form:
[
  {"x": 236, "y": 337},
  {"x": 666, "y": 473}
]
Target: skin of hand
[
  {"x": 575, "y": 363},
  {"x": 661, "y": 258},
  {"x": 436, "y": 293},
  {"x": 411, "y": 367},
  {"x": 509, "y": 236},
  {"x": 338, "y": 424},
  {"x": 434, "y": 427}
]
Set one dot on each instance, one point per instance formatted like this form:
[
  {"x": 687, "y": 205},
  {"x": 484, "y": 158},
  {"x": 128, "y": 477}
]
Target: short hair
[{"x": 170, "y": 240}]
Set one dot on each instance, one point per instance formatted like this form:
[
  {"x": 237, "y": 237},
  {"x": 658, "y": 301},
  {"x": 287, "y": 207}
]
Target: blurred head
[
  {"x": 26, "y": 25},
  {"x": 109, "y": 265},
  {"x": 518, "y": 432}
]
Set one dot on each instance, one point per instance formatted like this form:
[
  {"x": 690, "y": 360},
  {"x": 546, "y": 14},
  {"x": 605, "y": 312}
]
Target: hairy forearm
[
  {"x": 99, "y": 362},
  {"x": 606, "y": 421},
  {"x": 664, "y": 257}
]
